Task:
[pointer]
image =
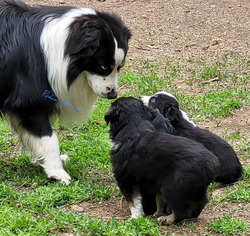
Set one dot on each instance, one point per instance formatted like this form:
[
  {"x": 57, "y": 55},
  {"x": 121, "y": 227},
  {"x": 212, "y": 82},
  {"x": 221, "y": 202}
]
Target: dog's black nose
[{"x": 112, "y": 94}]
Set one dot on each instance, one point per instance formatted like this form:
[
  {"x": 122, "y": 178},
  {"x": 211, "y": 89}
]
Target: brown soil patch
[
  {"x": 118, "y": 208},
  {"x": 178, "y": 28}
]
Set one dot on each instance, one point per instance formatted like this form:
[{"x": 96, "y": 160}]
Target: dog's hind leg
[
  {"x": 148, "y": 203},
  {"x": 160, "y": 204},
  {"x": 188, "y": 205}
]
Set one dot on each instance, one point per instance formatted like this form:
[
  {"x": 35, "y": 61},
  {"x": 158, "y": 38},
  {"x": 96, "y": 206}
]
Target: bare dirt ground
[
  {"x": 178, "y": 28},
  {"x": 181, "y": 30}
]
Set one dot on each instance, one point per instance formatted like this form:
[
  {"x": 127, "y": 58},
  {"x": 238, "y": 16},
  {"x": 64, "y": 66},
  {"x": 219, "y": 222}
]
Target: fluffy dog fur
[
  {"x": 230, "y": 167},
  {"x": 147, "y": 162},
  {"x": 55, "y": 61}
]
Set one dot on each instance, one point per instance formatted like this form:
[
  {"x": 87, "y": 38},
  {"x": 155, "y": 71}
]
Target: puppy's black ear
[
  {"x": 112, "y": 114},
  {"x": 161, "y": 123},
  {"x": 85, "y": 37},
  {"x": 172, "y": 114}
]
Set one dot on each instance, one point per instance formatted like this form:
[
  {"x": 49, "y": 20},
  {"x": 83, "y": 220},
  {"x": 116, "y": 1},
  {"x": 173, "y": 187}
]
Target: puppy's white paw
[
  {"x": 136, "y": 212},
  {"x": 135, "y": 206},
  {"x": 59, "y": 174},
  {"x": 64, "y": 157}
]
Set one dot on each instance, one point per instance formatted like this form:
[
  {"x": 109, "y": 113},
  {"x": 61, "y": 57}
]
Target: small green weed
[{"x": 211, "y": 72}]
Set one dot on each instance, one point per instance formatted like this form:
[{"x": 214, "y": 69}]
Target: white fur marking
[
  {"x": 145, "y": 100},
  {"x": 119, "y": 54},
  {"x": 115, "y": 146},
  {"x": 168, "y": 94},
  {"x": 136, "y": 209},
  {"x": 99, "y": 85},
  {"x": 46, "y": 154},
  {"x": 185, "y": 116}
]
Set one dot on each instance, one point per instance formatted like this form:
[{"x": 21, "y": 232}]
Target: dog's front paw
[
  {"x": 166, "y": 219},
  {"x": 59, "y": 174}
]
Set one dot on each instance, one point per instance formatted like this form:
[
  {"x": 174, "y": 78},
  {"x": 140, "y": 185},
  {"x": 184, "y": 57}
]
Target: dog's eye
[
  {"x": 153, "y": 100},
  {"x": 104, "y": 67}
]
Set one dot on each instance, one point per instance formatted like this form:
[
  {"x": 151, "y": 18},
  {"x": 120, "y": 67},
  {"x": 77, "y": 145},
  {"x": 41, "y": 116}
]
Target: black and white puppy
[
  {"x": 55, "y": 61},
  {"x": 147, "y": 161},
  {"x": 168, "y": 106}
]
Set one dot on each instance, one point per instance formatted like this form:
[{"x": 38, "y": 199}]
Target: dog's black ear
[
  {"x": 171, "y": 114},
  {"x": 85, "y": 36},
  {"x": 112, "y": 114},
  {"x": 161, "y": 123}
]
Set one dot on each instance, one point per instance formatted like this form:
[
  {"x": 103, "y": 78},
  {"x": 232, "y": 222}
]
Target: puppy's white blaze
[
  {"x": 119, "y": 54},
  {"x": 168, "y": 94},
  {"x": 46, "y": 154},
  {"x": 136, "y": 209}
]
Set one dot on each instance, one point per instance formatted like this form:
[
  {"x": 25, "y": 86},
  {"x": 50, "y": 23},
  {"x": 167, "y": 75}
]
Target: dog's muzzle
[{"x": 112, "y": 94}]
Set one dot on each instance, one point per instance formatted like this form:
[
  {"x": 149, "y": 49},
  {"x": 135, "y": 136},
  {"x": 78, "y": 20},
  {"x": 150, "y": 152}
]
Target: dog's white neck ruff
[{"x": 53, "y": 40}]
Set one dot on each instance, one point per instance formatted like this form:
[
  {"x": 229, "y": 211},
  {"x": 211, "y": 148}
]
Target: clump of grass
[
  {"x": 215, "y": 103},
  {"x": 228, "y": 226},
  {"x": 233, "y": 136},
  {"x": 239, "y": 192},
  {"x": 211, "y": 72},
  {"x": 246, "y": 173},
  {"x": 244, "y": 148},
  {"x": 18, "y": 222}
]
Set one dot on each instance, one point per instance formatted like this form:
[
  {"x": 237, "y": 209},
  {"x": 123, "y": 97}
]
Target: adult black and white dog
[
  {"x": 168, "y": 106},
  {"x": 145, "y": 161},
  {"x": 56, "y": 61}
]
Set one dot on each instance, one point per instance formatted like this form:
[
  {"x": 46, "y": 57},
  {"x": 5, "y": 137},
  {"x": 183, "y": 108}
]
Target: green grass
[
  {"x": 215, "y": 103},
  {"x": 240, "y": 192},
  {"x": 31, "y": 204},
  {"x": 19, "y": 222},
  {"x": 228, "y": 226}
]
